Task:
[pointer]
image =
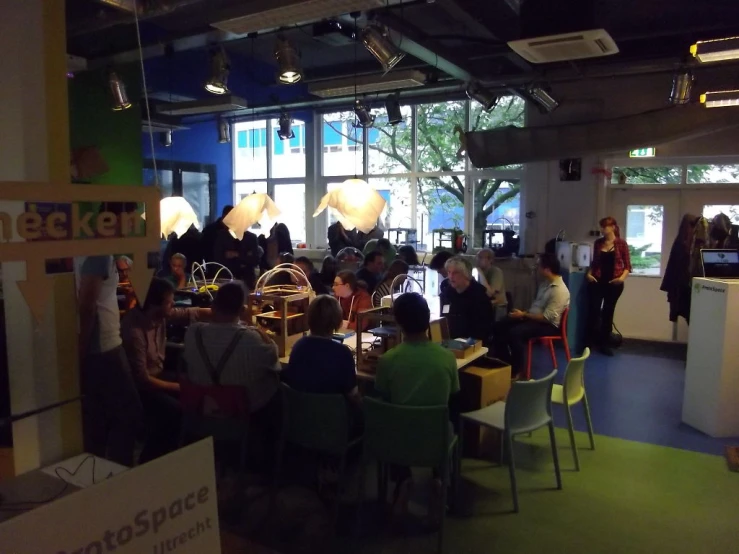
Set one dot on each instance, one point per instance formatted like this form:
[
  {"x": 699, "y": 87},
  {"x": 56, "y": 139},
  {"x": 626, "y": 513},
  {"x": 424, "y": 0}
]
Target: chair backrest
[
  {"x": 529, "y": 404},
  {"x": 406, "y": 435},
  {"x": 563, "y": 323},
  {"x": 574, "y": 381},
  {"x": 318, "y": 422},
  {"x": 220, "y": 411}
]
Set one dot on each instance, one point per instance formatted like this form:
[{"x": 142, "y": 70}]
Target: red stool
[{"x": 549, "y": 341}]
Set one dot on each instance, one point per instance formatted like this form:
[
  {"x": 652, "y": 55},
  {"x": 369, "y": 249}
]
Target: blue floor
[{"x": 635, "y": 396}]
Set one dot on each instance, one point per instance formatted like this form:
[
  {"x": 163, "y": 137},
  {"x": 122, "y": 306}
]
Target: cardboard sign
[{"x": 168, "y": 505}]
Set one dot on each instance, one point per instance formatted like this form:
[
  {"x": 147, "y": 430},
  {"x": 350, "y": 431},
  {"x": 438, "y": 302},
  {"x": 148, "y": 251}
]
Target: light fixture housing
[
  {"x": 716, "y": 50},
  {"x": 365, "y": 118},
  {"x": 544, "y": 101},
  {"x": 378, "y": 44},
  {"x": 220, "y": 67},
  {"x": 475, "y": 91},
  {"x": 118, "y": 92},
  {"x": 682, "y": 86},
  {"x": 720, "y": 99},
  {"x": 165, "y": 137},
  {"x": 362, "y": 84},
  {"x": 285, "y": 131},
  {"x": 224, "y": 131},
  {"x": 392, "y": 107},
  {"x": 288, "y": 61}
]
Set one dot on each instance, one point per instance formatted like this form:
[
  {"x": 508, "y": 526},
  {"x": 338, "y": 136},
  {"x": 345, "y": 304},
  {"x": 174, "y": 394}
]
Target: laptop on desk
[{"x": 720, "y": 263}]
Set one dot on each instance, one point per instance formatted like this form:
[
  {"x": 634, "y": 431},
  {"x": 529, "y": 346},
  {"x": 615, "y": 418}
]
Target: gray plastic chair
[
  {"x": 571, "y": 393},
  {"x": 527, "y": 408}
]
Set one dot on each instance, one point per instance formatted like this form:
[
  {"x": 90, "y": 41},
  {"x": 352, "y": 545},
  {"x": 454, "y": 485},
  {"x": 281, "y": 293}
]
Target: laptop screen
[{"x": 720, "y": 263}]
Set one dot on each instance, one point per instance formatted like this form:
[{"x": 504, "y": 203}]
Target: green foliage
[{"x": 641, "y": 260}]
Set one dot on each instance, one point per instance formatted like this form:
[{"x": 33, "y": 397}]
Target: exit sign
[{"x": 643, "y": 152}]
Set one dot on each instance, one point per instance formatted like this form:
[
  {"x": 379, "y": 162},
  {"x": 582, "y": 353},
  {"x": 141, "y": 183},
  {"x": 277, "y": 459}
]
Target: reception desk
[{"x": 711, "y": 398}]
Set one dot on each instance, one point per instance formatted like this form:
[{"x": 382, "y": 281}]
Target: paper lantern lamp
[
  {"x": 355, "y": 203},
  {"x": 176, "y": 216},
  {"x": 255, "y": 208}
]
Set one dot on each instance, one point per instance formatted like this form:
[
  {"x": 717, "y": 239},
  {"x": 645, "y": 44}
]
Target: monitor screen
[{"x": 720, "y": 263}]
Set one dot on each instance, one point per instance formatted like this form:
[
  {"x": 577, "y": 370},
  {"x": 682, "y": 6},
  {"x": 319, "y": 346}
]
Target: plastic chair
[
  {"x": 413, "y": 436},
  {"x": 318, "y": 422},
  {"x": 571, "y": 393},
  {"x": 549, "y": 341},
  {"x": 527, "y": 408}
]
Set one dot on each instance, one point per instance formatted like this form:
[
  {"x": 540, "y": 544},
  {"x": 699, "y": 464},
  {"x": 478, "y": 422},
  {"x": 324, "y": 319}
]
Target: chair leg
[
  {"x": 588, "y": 420},
  {"x": 512, "y": 471},
  {"x": 555, "y": 456},
  {"x": 528, "y": 360},
  {"x": 571, "y": 429},
  {"x": 552, "y": 353},
  {"x": 442, "y": 507},
  {"x": 339, "y": 484}
]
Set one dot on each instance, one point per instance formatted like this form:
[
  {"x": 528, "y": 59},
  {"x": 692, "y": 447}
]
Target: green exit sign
[{"x": 643, "y": 152}]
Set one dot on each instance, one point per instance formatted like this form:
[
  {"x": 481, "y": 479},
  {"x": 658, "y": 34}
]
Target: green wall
[{"x": 117, "y": 135}]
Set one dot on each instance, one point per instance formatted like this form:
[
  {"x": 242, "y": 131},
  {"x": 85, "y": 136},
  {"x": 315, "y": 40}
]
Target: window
[
  {"x": 193, "y": 181},
  {"x": 706, "y": 173},
  {"x": 390, "y": 148},
  {"x": 288, "y": 156},
  {"x": 440, "y": 206},
  {"x": 291, "y": 201},
  {"x": 398, "y": 213},
  {"x": 439, "y": 126},
  {"x": 497, "y": 205},
  {"x": 342, "y": 145},
  {"x": 667, "y": 175},
  {"x": 250, "y": 150},
  {"x": 712, "y": 210},
  {"x": 644, "y": 227}
]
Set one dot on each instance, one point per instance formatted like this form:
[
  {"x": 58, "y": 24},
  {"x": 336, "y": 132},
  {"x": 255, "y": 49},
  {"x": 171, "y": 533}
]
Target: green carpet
[{"x": 629, "y": 497}]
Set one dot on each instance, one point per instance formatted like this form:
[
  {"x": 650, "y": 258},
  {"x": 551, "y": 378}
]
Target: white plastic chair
[
  {"x": 573, "y": 392},
  {"x": 527, "y": 408}
]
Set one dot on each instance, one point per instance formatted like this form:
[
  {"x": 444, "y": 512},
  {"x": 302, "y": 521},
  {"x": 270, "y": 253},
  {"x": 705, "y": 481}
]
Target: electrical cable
[{"x": 146, "y": 92}]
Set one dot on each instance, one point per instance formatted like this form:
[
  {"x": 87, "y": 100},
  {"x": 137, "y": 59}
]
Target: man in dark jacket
[
  {"x": 211, "y": 232},
  {"x": 465, "y": 303}
]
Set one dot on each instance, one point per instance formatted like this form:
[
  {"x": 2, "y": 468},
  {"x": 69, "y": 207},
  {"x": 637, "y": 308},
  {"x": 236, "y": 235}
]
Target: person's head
[
  {"x": 438, "y": 262},
  {"x": 549, "y": 266},
  {"x": 324, "y": 316},
  {"x": 398, "y": 267},
  {"x": 177, "y": 264},
  {"x": 160, "y": 299},
  {"x": 459, "y": 273},
  {"x": 287, "y": 258},
  {"x": 609, "y": 227},
  {"x": 374, "y": 262},
  {"x": 229, "y": 302},
  {"x": 408, "y": 254},
  {"x": 412, "y": 313},
  {"x": 305, "y": 265},
  {"x": 226, "y": 210},
  {"x": 485, "y": 259},
  {"x": 345, "y": 284},
  {"x": 123, "y": 264},
  {"x": 329, "y": 267},
  {"x": 383, "y": 245}
]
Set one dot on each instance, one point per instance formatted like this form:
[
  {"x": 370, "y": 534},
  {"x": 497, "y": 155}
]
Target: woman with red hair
[{"x": 610, "y": 266}]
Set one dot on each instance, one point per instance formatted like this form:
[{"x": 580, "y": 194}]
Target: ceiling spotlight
[
  {"x": 381, "y": 47},
  {"x": 165, "y": 137},
  {"x": 476, "y": 92},
  {"x": 717, "y": 50},
  {"x": 288, "y": 61},
  {"x": 392, "y": 107},
  {"x": 364, "y": 117},
  {"x": 682, "y": 86},
  {"x": 543, "y": 100},
  {"x": 219, "y": 69},
  {"x": 118, "y": 91},
  {"x": 224, "y": 131},
  {"x": 720, "y": 99},
  {"x": 285, "y": 131}
]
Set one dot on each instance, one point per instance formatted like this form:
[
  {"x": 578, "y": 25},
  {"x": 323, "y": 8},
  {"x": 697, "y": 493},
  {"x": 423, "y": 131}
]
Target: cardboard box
[{"x": 482, "y": 384}]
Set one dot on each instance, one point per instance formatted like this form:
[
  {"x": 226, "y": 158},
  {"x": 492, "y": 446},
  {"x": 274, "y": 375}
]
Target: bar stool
[{"x": 549, "y": 341}]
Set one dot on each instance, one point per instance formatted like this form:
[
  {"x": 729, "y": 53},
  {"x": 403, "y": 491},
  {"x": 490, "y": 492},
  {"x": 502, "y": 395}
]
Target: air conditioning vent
[
  {"x": 291, "y": 12},
  {"x": 569, "y": 46}
]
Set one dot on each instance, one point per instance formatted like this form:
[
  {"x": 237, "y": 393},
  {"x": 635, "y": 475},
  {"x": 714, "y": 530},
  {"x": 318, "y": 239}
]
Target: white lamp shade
[
  {"x": 355, "y": 203},
  {"x": 176, "y": 216},
  {"x": 255, "y": 208}
]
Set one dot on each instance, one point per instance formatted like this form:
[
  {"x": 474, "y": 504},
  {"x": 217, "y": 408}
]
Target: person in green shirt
[
  {"x": 384, "y": 247},
  {"x": 416, "y": 373}
]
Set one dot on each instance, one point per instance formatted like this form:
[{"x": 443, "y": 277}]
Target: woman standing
[{"x": 610, "y": 266}]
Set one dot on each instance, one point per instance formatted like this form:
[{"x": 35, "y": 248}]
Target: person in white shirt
[
  {"x": 543, "y": 318},
  {"x": 491, "y": 277}
]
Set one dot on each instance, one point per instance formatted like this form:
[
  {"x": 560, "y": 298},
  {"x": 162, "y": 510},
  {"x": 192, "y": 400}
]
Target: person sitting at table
[
  {"x": 318, "y": 364},
  {"x": 491, "y": 277},
  {"x": 353, "y": 297},
  {"x": 408, "y": 254},
  {"x": 143, "y": 331},
  {"x": 314, "y": 278},
  {"x": 329, "y": 269},
  {"x": 438, "y": 264},
  {"x": 465, "y": 303},
  {"x": 126, "y": 295},
  {"x": 398, "y": 267},
  {"x": 417, "y": 372},
  {"x": 178, "y": 274},
  {"x": 224, "y": 352},
  {"x": 384, "y": 246},
  {"x": 543, "y": 318},
  {"x": 370, "y": 272},
  {"x": 283, "y": 277}
]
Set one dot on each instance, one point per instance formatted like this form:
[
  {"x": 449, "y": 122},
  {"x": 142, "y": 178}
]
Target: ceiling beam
[
  {"x": 500, "y": 17},
  {"x": 412, "y": 41}
]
